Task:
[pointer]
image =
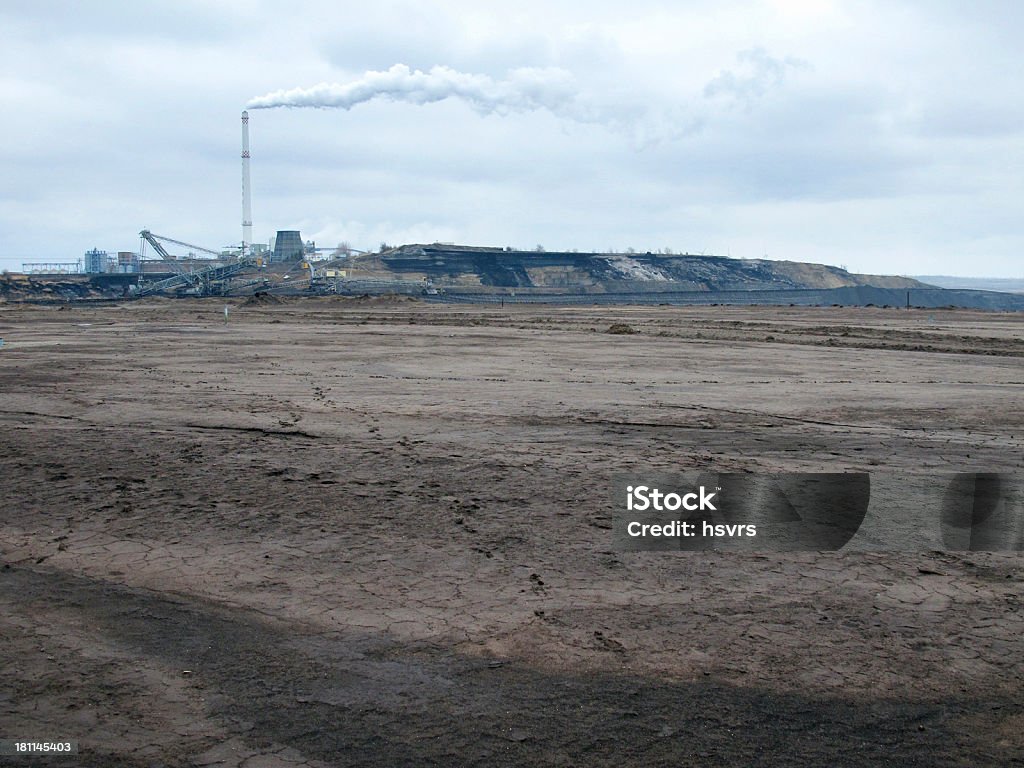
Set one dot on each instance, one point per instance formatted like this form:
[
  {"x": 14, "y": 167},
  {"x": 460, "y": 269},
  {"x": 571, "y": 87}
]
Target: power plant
[
  {"x": 206, "y": 272},
  {"x": 455, "y": 273},
  {"x": 177, "y": 266}
]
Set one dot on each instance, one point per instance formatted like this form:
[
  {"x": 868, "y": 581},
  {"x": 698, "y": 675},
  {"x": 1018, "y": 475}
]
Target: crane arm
[{"x": 152, "y": 240}]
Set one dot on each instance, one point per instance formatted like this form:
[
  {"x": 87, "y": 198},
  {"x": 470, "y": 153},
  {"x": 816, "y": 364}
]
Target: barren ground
[{"x": 377, "y": 533}]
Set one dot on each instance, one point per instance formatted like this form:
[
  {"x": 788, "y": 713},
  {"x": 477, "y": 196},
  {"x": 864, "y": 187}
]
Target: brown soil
[
  {"x": 262, "y": 299},
  {"x": 341, "y": 533}
]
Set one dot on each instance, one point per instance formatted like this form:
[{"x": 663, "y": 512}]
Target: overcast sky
[{"x": 885, "y": 137}]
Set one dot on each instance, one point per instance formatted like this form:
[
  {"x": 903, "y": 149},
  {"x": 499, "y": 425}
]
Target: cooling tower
[{"x": 288, "y": 246}]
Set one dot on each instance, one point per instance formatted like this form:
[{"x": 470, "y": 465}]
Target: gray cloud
[
  {"x": 759, "y": 73},
  {"x": 895, "y": 151}
]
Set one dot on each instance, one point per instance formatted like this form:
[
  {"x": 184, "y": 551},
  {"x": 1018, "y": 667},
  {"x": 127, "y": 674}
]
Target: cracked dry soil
[{"x": 371, "y": 533}]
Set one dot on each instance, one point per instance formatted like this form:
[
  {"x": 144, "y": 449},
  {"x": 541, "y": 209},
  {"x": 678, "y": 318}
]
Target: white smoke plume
[
  {"x": 524, "y": 90},
  {"x": 647, "y": 121}
]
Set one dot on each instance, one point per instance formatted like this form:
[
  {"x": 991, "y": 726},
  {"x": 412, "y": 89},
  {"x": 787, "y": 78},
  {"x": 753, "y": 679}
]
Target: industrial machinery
[
  {"x": 154, "y": 240},
  {"x": 209, "y": 281}
]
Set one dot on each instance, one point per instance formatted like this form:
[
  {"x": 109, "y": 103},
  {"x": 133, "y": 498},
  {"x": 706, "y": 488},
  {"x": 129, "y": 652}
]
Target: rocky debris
[
  {"x": 262, "y": 299},
  {"x": 19, "y": 287}
]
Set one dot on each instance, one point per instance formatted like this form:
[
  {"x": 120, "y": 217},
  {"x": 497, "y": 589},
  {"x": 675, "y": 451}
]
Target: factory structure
[
  {"x": 452, "y": 273},
  {"x": 168, "y": 265},
  {"x": 204, "y": 271}
]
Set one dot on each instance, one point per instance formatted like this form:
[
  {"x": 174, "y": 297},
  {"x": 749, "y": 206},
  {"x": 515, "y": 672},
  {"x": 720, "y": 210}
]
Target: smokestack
[{"x": 246, "y": 202}]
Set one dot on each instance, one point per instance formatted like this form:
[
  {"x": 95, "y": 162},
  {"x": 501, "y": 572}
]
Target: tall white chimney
[{"x": 246, "y": 192}]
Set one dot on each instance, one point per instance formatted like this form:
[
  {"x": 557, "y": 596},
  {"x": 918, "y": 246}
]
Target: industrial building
[
  {"x": 96, "y": 262},
  {"x": 127, "y": 262},
  {"x": 288, "y": 246}
]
